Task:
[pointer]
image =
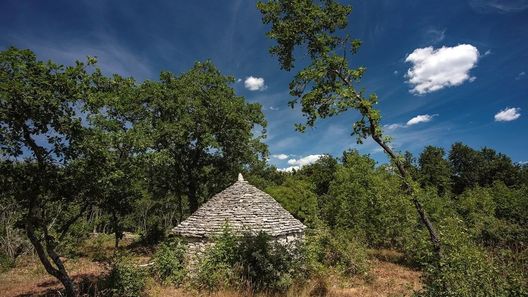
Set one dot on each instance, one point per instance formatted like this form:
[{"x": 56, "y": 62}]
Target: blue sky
[{"x": 444, "y": 71}]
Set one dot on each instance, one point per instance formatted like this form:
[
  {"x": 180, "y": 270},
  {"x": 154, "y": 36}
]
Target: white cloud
[
  {"x": 304, "y": 160},
  {"x": 395, "y": 72},
  {"x": 297, "y": 164},
  {"x": 254, "y": 83},
  {"x": 289, "y": 169},
  {"x": 520, "y": 75},
  {"x": 508, "y": 114},
  {"x": 280, "y": 156},
  {"x": 435, "y": 69},
  {"x": 422, "y": 118},
  {"x": 238, "y": 80},
  {"x": 273, "y": 108}
]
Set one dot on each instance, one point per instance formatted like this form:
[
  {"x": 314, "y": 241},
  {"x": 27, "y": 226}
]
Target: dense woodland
[{"x": 84, "y": 152}]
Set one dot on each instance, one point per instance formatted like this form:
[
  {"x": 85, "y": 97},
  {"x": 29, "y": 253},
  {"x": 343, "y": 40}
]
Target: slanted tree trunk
[{"x": 46, "y": 252}]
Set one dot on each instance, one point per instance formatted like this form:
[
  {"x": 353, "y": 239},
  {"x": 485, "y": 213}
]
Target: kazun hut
[{"x": 245, "y": 209}]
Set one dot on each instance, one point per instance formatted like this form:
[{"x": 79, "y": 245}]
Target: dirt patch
[{"x": 30, "y": 279}]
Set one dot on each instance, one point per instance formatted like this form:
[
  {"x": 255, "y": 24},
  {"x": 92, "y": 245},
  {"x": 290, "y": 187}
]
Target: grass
[{"x": 387, "y": 277}]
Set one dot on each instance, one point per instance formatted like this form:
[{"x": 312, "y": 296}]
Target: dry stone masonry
[{"x": 245, "y": 209}]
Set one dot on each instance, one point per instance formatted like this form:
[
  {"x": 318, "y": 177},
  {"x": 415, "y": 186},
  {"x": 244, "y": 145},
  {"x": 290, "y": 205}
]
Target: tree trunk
[
  {"x": 117, "y": 230},
  {"x": 59, "y": 272},
  {"x": 193, "y": 197}
]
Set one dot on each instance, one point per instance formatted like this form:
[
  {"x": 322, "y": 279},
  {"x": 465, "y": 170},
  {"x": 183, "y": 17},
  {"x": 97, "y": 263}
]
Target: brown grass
[
  {"x": 30, "y": 279},
  {"x": 386, "y": 278}
]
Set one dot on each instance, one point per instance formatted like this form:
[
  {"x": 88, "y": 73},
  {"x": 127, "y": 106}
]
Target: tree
[
  {"x": 434, "y": 170},
  {"x": 327, "y": 86},
  {"x": 120, "y": 140},
  {"x": 42, "y": 143},
  {"x": 472, "y": 168},
  {"x": 203, "y": 133},
  {"x": 321, "y": 173},
  {"x": 298, "y": 198}
]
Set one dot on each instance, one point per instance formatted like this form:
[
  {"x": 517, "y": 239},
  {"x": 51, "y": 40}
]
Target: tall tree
[
  {"x": 42, "y": 141},
  {"x": 434, "y": 170},
  {"x": 203, "y": 131},
  {"x": 119, "y": 138},
  {"x": 328, "y": 85}
]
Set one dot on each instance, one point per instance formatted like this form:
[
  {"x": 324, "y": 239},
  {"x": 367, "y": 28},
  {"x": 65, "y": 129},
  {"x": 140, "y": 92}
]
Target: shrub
[
  {"x": 215, "y": 268},
  {"x": 169, "y": 262},
  {"x": 267, "y": 265},
  {"x": 6, "y": 263},
  {"x": 465, "y": 269},
  {"x": 153, "y": 235},
  {"x": 125, "y": 278},
  {"x": 338, "y": 250},
  {"x": 252, "y": 262}
]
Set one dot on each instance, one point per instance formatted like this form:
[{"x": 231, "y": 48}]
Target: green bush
[
  {"x": 465, "y": 269},
  {"x": 125, "y": 279},
  {"x": 335, "y": 249},
  {"x": 6, "y": 263},
  {"x": 153, "y": 235},
  {"x": 253, "y": 262},
  {"x": 267, "y": 265},
  {"x": 215, "y": 269},
  {"x": 169, "y": 262}
]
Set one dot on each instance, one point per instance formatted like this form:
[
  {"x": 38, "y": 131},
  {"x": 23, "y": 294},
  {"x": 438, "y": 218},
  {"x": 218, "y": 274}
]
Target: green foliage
[
  {"x": 251, "y": 262},
  {"x": 466, "y": 269},
  {"x": 434, "y": 170},
  {"x": 169, "y": 262},
  {"x": 216, "y": 267},
  {"x": 6, "y": 262},
  {"x": 126, "y": 279},
  {"x": 477, "y": 208},
  {"x": 298, "y": 198},
  {"x": 321, "y": 173},
  {"x": 267, "y": 265},
  {"x": 367, "y": 200},
  {"x": 337, "y": 249}
]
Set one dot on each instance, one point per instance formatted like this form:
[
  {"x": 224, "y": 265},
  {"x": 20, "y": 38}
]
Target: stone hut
[{"x": 245, "y": 208}]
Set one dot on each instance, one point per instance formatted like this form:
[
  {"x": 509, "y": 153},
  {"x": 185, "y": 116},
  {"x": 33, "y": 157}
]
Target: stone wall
[{"x": 196, "y": 247}]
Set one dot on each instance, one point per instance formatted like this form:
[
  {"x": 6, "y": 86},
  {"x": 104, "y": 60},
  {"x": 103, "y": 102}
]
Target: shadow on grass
[{"x": 87, "y": 284}]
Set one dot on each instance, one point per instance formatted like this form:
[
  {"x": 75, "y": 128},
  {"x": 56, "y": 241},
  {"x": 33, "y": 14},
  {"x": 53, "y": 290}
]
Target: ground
[{"x": 386, "y": 278}]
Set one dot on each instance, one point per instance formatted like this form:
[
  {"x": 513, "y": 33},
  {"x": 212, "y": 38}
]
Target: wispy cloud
[
  {"x": 434, "y": 69},
  {"x": 434, "y": 35},
  {"x": 498, "y": 6},
  {"x": 520, "y": 76},
  {"x": 508, "y": 114},
  {"x": 112, "y": 57}
]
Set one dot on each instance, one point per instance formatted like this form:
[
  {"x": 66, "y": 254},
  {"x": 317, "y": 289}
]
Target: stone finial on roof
[{"x": 240, "y": 177}]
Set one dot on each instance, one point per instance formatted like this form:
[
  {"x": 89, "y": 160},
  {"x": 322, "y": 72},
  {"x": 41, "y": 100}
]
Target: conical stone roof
[{"x": 244, "y": 208}]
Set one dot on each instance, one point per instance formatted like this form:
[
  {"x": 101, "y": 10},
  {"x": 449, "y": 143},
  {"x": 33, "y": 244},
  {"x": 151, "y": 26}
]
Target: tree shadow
[{"x": 87, "y": 284}]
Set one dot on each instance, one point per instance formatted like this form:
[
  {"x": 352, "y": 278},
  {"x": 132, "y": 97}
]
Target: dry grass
[
  {"x": 30, "y": 279},
  {"x": 384, "y": 279}
]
